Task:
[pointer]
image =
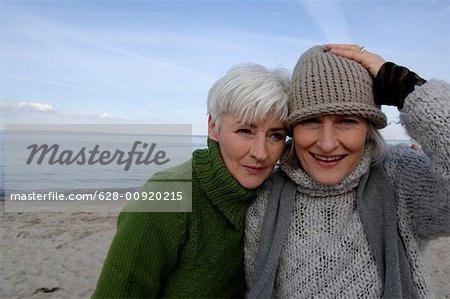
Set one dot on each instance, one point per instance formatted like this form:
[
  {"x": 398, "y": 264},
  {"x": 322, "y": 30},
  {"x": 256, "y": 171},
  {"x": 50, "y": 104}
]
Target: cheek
[
  {"x": 356, "y": 142},
  {"x": 230, "y": 153},
  {"x": 302, "y": 155},
  {"x": 303, "y": 139},
  {"x": 275, "y": 151},
  {"x": 278, "y": 150},
  {"x": 301, "y": 151}
]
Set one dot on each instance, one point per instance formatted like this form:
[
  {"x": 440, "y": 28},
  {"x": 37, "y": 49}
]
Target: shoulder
[
  {"x": 259, "y": 203},
  {"x": 169, "y": 190},
  {"x": 142, "y": 224},
  {"x": 179, "y": 172}
]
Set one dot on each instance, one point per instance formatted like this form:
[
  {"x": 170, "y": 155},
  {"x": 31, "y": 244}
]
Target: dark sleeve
[
  {"x": 393, "y": 83},
  {"x": 144, "y": 250}
]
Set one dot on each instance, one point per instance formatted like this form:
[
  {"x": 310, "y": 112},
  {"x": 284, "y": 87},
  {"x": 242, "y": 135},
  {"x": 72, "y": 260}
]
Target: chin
[
  {"x": 251, "y": 184},
  {"x": 332, "y": 183},
  {"x": 328, "y": 181}
]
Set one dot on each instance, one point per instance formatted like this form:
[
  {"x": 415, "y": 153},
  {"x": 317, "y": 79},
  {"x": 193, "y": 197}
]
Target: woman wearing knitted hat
[
  {"x": 200, "y": 254},
  {"x": 344, "y": 217}
]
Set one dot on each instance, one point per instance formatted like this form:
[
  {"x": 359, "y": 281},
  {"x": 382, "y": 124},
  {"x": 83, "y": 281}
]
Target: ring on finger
[{"x": 362, "y": 50}]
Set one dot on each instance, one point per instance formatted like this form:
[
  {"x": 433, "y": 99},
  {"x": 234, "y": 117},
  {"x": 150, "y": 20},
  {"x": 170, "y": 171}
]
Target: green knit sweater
[{"x": 197, "y": 254}]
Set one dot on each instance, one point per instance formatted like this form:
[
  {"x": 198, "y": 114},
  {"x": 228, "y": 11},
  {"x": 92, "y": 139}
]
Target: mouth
[
  {"x": 328, "y": 160},
  {"x": 254, "y": 169}
]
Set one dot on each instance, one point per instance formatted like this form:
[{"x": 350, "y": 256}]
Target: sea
[{"x": 17, "y": 177}]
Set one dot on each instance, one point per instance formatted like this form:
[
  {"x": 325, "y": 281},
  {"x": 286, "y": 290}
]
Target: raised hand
[
  {"x": 372, "y": 62},
  {"x": 392, "y": 83}
]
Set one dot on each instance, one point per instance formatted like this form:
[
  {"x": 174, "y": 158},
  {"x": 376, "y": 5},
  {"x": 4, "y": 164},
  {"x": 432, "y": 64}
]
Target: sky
[{"x": 153, "y": 62}]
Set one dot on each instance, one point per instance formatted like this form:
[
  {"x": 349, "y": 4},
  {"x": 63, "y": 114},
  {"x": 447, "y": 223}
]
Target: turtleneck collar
[
  {"x": 307, "y": 185},
  {"x": 230, "y": 198}
]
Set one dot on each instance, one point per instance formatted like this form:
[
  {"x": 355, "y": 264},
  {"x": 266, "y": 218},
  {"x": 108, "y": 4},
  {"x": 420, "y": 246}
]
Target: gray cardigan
[{"x": 402, "y": 202}]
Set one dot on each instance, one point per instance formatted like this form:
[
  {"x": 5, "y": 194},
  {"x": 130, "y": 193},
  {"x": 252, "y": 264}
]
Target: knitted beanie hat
[{"x": 324, "y": 83}]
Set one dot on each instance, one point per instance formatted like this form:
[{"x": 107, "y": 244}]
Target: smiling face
[
  {"x": 249, "y": 151},
  {"x": 330, "y": 146}
]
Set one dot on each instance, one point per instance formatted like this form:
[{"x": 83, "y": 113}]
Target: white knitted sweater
[{"x": 326, "y": 253}]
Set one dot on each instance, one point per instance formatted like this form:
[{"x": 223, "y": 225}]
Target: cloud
[
  {"x": 30, "y": 106},
  {"x": 25, "y": 112},
  {"x": 100, "y": 116},
  {"x": 36, "y": 106},
  {"x": 105, "y": 115},
  {"x": 330, "y": 18}
]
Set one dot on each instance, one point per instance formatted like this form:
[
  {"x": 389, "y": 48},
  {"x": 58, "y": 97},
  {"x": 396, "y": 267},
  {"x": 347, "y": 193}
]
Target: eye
[
  {"x": 277, "y": 136},
  {"x": 244, "y": 131},
  {"x": 310, "y": 123},
  {"x": 348, "y": 121}
]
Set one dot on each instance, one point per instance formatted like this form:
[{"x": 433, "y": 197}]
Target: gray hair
[
  {"x": 379, "y": 144},
  {"x": 251, "y": 93}
]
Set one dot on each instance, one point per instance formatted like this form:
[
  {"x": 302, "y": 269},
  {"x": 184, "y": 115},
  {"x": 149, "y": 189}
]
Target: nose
[
  {"x": 258, "y": 148},
  {"x": 328, "y": 140}
]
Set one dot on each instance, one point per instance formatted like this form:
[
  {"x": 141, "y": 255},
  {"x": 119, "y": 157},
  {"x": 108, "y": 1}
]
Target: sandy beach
[{"x": 60, "y": 255}]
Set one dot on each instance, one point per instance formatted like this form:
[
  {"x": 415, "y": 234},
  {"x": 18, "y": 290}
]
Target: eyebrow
[
  {"x": 278, "y": 129},
  {"x": 254, "y": 126},
  {"x": 347, "y": 115}
]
